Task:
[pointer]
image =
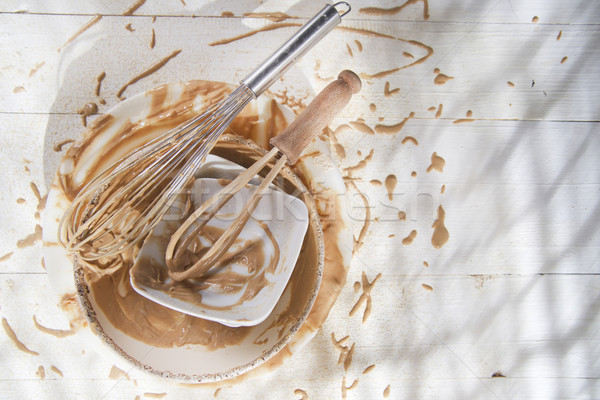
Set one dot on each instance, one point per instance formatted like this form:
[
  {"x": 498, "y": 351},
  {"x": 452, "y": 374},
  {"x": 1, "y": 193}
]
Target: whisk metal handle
[{"x": 310, "y": 33}]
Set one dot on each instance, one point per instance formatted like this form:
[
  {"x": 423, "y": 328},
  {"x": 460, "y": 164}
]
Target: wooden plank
[
  {"x": 454, "y": 338},
  {"x": 67, "y": 80},
  {"x": 513, "y": 204},
  {"x": 582, "y": 12}
]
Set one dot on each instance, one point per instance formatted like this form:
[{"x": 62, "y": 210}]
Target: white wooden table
[{"x": 507, "y": 309}]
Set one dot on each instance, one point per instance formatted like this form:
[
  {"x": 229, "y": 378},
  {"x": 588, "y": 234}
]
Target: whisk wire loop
[{"x": 125, "y": 202}]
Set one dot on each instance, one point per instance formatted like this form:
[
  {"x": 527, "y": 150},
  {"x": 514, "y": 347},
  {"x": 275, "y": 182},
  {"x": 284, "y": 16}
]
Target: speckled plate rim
[{"x": 82, "y": 291}]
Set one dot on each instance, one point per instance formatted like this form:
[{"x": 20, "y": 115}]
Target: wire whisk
[{"x": 119, "y": 207}]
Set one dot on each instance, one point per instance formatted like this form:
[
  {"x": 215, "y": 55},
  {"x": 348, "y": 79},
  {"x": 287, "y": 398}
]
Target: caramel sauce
[
  {"x": 129, "y": 27},
  {"x": 117, "y": 373},
  {"x": 407, "y": 54},
  {"x": 409, "y": 239},
  {"x": 393, "y": 129},
  {"x": 375, "y": 182},
  {"x": 386, "y": 392},
  {"x": 56, "y": 370},
  {"x": 359, "y": 45},
  {"x": 362, "y": 127},
  {"x": 427, "y": 287},
  {"x": 361, "y": 164},
  {"x": 18, "y": 89},
  {"x": 440, "y": 233},
  {"x": 425, "y": 263},
  {"x": 221, "y": 279},
  {"x": 253, "y": 32},
  {"x": 368, "y": 369},
  {"x": 59, "y": 333},
  {"x": 437, "y": 163},
  {"x": 99, "y": 80},
  {"x": 441, "y": 79},
  {"x": 153, "y": 39},
  {"x": 443, "y": 189},
  {"x": 273, "y": 16},
  {"x": 41, "y": 372},
  {"x": 303, "y": 395},
  {"x": 559, "y": 35},
  {"x": 390, "y": 184},
  {"x": 346, "y": 388},
  {"x": 346, "y": 352},
  {"x": 86, "y": 111},
  {"x": 382, "y": 74},
  {"x": 149, "y": 71},
  {"x": 35, "y": 69},
  {"x": 535, "y": 19},
  {"x": 468, "y": 118},
  {"x": 31, "y": 239},
  {"x": 154, "y": 395},
  {"x": 413, "y": 174},
  {"x": 58, "y": 147},
  {"x": 410, "y": 139},
  {"x": 133, "y": 7},
  {"x": 387, "y": 92},
  {"x": 349, "y": 50},
  {"x": 394, "y": 10},
  {"x": 13, "y": 337},
  {"x": 337, "y": 147},
  {"x": 372, "y": 107},
  {"x": 84, "y": 28},
  {"x": 509, "y": 83},
  {"x": 564, "y": 60},
  {"x": 6, "y": 256},
  {"x": 401, "y": 215},
  {"x": 365, "y": 297}
]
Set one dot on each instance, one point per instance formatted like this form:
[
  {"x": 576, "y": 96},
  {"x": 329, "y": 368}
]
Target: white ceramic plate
[{"x": 195, "y": 363}]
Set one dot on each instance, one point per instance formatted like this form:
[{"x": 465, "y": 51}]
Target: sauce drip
[
  {"x": 150, "y": 70},
  {"x": 387, "y": 92},
  {"x": 390, "y": 184},
  {"x": 86, "y": 111},
  {"x": 99, "y": 80},
  {"x": 440, "y": 233},
  {"x": 394, "y": 10},
  {"x": 410, "y": 139},
  {"x": 133, "y": 7},
  {"x": 437, "y": 163},
  {"x": 54, "y": 332},
  {"x": 441, "y": 79},
  {"x": 346, "y": 352},
  {"x": 84, "y": 28},
  {"x": 13, "y": 337},
  {"x": 365, "y": 297},
  {"x": 438, "y": 114},
  {"x": 303, "y": 395},
  {"x": 392, "y": 129},
  {"x": 58, "y": 147},
  {"x": 409, "y": 239}
]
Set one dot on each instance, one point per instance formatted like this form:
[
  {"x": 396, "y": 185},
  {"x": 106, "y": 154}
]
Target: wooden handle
[{"x": 317, "y": 115}]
